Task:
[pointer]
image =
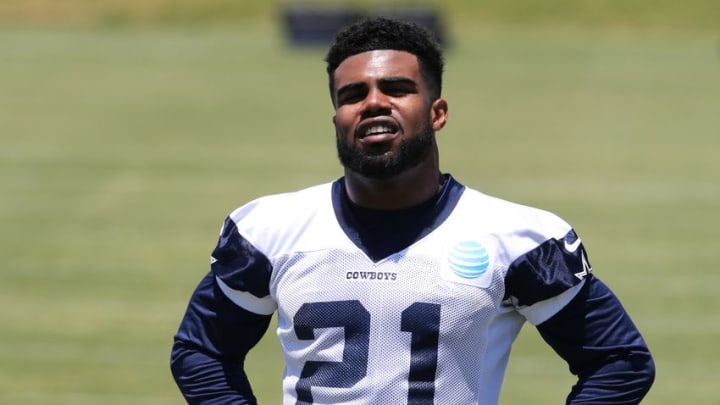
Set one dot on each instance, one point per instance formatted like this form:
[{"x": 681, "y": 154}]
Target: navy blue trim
[
  {"x": 546, "y": 271},
  {"x": 239, "y": 264},
  {"x": 381, "y": 233}
]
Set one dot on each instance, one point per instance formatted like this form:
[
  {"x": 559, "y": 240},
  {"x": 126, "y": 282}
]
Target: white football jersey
[{"x": 430, "y": 324}]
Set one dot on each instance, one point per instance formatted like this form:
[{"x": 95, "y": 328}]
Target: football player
[{"x": 397, "y": 284}]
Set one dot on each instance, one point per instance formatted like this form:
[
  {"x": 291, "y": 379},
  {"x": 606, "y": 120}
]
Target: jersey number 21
[{"x": 421, "y": 320}]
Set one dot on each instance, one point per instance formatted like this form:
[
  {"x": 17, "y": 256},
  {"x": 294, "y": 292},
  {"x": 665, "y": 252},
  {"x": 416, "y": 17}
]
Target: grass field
[{"x": 123, "y": 150}]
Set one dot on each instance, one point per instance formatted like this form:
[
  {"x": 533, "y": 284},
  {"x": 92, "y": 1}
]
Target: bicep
[
  {"x": 218, "y": 326},
  {"x": 591, "y": 327}
]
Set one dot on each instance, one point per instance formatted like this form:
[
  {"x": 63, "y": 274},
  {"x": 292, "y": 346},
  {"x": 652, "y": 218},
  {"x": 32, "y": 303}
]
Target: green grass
[{"x": 122, "y": 151}]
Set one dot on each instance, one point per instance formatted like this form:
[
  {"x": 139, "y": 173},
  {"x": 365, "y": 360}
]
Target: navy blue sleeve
[
  {"x": 596, "y": 337},
  {"x": 208, "y": 355},
  {"x": 210, "y": 346}
]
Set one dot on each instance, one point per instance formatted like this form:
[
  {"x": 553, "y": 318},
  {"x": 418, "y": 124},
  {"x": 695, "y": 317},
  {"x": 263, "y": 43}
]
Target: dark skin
[{"x": 380, "y": 99}]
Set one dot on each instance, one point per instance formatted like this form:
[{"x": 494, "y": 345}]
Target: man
[{"x": 396, "y": 284}]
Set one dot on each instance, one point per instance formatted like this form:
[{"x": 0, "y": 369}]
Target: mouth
[{"x": 377, "y": 130}]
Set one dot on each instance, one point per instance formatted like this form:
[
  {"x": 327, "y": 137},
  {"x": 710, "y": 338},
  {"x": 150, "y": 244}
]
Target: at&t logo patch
[
  {"x": 469, "y": 262},
  {"x": 468, "y": 259}
]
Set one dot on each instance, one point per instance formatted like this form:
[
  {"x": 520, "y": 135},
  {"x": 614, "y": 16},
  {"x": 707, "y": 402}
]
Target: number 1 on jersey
[{"x": 422, "y": 320}]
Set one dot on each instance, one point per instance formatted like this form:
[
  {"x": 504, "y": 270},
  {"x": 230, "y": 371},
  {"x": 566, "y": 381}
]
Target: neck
[{"x": 408, "y": 189}]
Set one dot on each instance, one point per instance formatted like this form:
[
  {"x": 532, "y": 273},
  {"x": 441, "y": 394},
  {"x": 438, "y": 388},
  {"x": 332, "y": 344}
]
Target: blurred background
[{"x": 130, "y": 129}]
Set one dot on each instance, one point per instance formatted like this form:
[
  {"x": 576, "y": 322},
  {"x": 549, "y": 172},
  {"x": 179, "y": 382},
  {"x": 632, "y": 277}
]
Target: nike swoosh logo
[{"x": 572, "y": 247}]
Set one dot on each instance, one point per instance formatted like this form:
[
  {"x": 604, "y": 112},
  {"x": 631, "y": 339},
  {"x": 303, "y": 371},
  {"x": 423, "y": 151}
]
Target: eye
[
  {"x": 399, "y": 88},
  {"x": 350, "y": 98},
  {"x": 351, "y": 94},
  {"x": 397, "y": 92}
]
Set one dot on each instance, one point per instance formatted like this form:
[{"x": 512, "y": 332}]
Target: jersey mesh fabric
[
  {"x": 424, "y": 325},
  {"x": 398, "y": 296}
]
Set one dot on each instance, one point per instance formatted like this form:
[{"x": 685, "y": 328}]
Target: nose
[{"x": 376, "y": 101}]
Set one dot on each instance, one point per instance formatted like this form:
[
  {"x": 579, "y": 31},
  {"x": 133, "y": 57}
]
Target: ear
[{"x": 438, "y": 114}]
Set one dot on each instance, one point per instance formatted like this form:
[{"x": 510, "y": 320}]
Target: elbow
[
  {"x": 626, "y": 379},
  {"x": 177, "y": 354},
  {"x": 181, "y": 363},
  {"x": 637, "y": 377},
  {"x": 632, "y": 376},
  {"x": 647, "y": 365},
  {"x": 639, "y": 367}
]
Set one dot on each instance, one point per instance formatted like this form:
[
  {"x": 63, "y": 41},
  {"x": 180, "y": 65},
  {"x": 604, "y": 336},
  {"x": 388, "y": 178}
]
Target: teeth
[{"x": 378, "y": 129}]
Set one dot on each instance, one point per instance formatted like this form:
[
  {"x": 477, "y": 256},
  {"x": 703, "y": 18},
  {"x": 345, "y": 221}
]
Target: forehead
[{"x": 377, "y": 64}]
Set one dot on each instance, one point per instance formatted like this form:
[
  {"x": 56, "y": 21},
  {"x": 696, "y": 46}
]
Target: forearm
[
  {"x": 203, "y": 379},
  {"x": 623, "y": 380}
]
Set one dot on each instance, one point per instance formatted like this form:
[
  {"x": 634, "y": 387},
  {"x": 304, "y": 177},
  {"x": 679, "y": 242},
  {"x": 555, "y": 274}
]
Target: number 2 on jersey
[{"x": 421, "y": 320}]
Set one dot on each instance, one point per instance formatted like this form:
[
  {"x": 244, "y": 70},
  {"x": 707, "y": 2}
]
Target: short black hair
[{"x": 386, "y": 33}]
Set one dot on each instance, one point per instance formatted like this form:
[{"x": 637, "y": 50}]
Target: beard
[{"x": 410, "y": 153}]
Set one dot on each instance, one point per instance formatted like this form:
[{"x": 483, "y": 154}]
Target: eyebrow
[
  {"x": 399, "y": 80},
  {"x": 384, "y": 81}
]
